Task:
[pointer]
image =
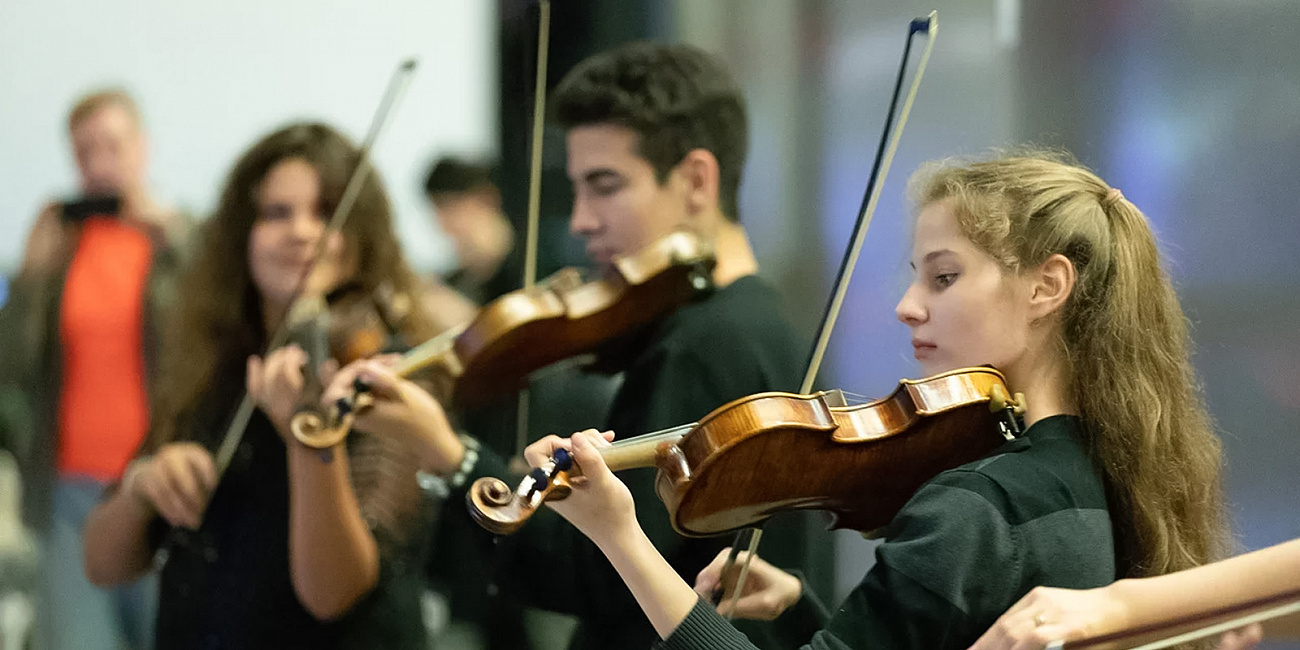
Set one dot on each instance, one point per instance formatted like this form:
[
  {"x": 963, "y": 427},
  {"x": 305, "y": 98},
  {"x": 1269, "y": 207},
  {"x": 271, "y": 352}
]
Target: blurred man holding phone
[{"x": 79, "y": 334}]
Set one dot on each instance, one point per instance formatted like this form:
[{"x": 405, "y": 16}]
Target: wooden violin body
[
  {"x": 773, "y": 452},
  {"x": 564, "y": 317}
]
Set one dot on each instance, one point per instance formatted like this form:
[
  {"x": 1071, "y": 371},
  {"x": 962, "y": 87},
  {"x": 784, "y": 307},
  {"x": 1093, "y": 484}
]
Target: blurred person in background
[
  {"x": 467, "y": 204},
  {"x": 294, "y": 547},
  {"x": 79, "y": 332}
]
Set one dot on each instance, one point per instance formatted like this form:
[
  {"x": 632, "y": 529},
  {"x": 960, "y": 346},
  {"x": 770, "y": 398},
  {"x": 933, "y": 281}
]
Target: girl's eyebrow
[{"x": 932, "y": 255}]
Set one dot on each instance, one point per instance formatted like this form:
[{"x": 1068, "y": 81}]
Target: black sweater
[{"x": 965, "y": 548}]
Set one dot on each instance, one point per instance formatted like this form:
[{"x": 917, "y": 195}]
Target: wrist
[
  {"x": 443, "y": 457},
  {"x": 1116, "y": 597},
  {"x": 299, "y": 453},
  {"x": 623, "y": 537},
  {"x": 131, "y": 480},
  {"x": 441, "y": 483},
  {"x": 794, "y": 593}
]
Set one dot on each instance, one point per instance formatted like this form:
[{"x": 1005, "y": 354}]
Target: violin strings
[
  {"x": 655, "y": 436},
  {"x": 855, "y": 398}
]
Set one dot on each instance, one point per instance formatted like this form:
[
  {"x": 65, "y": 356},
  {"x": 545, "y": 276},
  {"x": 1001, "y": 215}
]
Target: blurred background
[{"x": 1191, "y": 107}]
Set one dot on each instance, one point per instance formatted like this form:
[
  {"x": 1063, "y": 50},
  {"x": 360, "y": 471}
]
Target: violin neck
[
  {"x": 428, "y": 352},
  {"x": 641, "y": 450}
]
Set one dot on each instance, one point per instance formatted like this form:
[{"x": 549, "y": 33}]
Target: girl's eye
[
  {"x": 272, "y": 212},
  {"x": 944, "y": 280}
]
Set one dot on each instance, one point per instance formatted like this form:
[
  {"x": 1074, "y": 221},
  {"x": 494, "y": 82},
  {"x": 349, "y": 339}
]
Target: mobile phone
[{"x": 80, "y": 209}]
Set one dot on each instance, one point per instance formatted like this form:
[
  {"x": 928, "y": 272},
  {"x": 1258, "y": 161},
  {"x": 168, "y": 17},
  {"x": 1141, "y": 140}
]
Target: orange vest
[{"x": 103, "y": 405}]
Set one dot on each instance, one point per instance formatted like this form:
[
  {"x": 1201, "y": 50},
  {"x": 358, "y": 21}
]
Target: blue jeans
[{"x": 74, "y": 614}]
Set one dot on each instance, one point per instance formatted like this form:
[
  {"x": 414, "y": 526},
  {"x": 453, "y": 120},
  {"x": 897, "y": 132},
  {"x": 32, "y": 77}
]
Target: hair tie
[{"x": 1112, "y": 197}]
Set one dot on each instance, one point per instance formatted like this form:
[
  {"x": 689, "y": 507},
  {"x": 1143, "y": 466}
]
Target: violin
[
  {"x": 529, "y": 329},
  {"x": 772, "y": 452}
]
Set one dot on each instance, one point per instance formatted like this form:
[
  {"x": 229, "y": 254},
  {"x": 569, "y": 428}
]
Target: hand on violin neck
[
  {"x": 600, "y": 505},
  {"x": 768, "y": 591},
  {"x": 276, "y": 384},
  {"x": 400, "y": 409}
]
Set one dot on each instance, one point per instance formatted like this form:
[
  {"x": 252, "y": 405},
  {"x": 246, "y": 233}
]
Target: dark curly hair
[{"x": 675, "y": 97}]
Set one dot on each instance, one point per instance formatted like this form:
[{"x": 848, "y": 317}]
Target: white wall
[{"x": 213, "y": 76}]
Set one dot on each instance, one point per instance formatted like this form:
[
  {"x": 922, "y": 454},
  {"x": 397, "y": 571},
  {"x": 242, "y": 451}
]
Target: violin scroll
[
  {"x": 321, "y": 430},
  {"x": 499, "y": 510}
]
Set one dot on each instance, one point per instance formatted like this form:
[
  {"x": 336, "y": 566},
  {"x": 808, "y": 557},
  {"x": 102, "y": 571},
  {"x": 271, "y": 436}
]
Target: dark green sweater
[{"x": 966, "y": 547}]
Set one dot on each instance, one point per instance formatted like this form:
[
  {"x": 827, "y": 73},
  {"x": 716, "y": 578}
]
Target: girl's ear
[{"x": 1050, "y": 285}]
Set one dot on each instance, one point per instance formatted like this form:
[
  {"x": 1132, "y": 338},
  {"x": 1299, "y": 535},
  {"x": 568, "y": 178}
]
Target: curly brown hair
[{"x": 217, "y": 320}]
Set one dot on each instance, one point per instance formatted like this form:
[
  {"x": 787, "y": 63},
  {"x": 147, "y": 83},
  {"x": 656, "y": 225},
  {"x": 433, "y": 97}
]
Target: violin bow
[
  {"x": 534, "y": 194},
  {"x": 1231, "y": 617},
  {"x": 928, "y": 25},
  {"x": 397, "y": 85}
]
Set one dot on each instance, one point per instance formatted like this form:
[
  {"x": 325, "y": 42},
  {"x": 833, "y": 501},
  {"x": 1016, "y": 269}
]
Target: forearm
[
  {"x": 665, "y": 598},
  {"x": 117, "y": 548},
  {"x": 333, "y": 558},
  {"x": 1259, "y": 574}
]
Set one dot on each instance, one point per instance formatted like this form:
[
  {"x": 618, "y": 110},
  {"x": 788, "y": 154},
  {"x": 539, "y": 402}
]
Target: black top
[
  {"x": 731, "y": 344},
  {"x": 967, "y": 546},
  {"x": 227, "y": 585}
]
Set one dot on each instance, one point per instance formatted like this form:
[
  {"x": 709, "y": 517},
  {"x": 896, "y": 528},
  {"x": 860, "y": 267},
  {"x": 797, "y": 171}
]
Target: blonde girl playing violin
[
  {"x": 1039, "y": 268},
  {"x": 292, "y": 547}
]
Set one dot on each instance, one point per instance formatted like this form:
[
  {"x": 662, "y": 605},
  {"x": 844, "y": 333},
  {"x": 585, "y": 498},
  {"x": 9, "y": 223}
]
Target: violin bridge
[{"x": 835, "y": 397}]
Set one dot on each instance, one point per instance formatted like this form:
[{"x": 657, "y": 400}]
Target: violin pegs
[
  {"x": 539, "y": 477},
  {"x": 563, "y": 460},
  {"x": 1020, "y": 404}
]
